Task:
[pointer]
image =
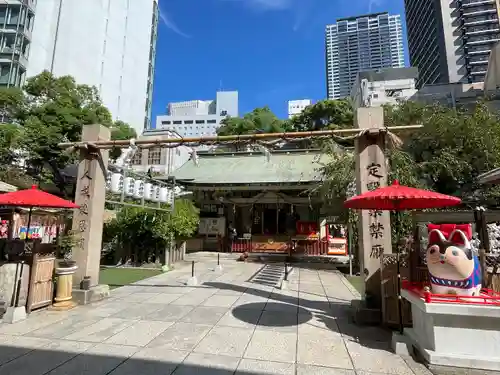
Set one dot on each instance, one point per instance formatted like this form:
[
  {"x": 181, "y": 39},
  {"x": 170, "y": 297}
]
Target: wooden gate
[
  {"x": 389, "y": 285},
  {"x": 41, "y": 287}
]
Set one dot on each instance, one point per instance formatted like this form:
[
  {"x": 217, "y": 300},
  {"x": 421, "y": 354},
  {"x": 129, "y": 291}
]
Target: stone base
[
  {"x": 284, "y": 285},
  {"x": 14, "y": 314},
  {"x": 455, "y": 334},
  {"x": 192, "y": 281},
  {"x": 63, "y": 306},
  {"x": 434, "y": 358},
  {"x": 94, "y": 294},
  {"x": 218, "y": 268},
  {"x": 363, "y": 315},
  {"x": 401, "y": 344}
]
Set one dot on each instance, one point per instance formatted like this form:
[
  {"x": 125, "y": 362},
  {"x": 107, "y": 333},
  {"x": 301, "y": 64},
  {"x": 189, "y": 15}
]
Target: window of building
[
  {"x": 137, "y": 159},
  {"x": 154, "y": 156},
  {"x": 165, "y": 122},
  {"x": 211, "y": 121},
  {"x": 188, "y": 121},
  {"x": 200, "y": 121},
  {"x": 177, "y": 122}
]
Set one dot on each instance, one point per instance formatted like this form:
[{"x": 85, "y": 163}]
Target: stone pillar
[
  {"x": 90, "y": 196},
  {"x": 373, "y": 226}
]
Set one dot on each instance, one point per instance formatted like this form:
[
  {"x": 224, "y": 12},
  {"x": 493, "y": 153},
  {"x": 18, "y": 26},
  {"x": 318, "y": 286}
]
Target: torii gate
[{"x": 371, "y": 172}]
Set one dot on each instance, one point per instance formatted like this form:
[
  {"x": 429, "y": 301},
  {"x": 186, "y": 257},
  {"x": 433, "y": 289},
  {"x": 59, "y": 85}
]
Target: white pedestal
[
  {"x": 284, "y": 285},
  {"x": 218, "y": 268},
  {"x": 14, "y": 314},
  {"x": 458, "y": 335},
  {"x": 192, "y": 281}
]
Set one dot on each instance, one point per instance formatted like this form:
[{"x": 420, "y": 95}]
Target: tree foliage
[
  {"x": 49, "y": 110},
  {"x": 142, "y": 233},
  {"x": 260, "y": 120},
  {"x": 325, "y": 114}
]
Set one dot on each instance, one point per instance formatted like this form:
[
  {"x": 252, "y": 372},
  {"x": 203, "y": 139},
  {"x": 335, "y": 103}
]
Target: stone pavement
[{"x": 234, "y": 322}]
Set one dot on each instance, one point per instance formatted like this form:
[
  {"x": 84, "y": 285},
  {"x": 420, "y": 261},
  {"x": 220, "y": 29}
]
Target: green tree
[
  {"x": 325, "y": 114},
  {"x": 143, "y": 233},
  {"x": 260, "y": 120},
  {"x": 453, "y": 148},
  {"x": 50, "y": 110}
]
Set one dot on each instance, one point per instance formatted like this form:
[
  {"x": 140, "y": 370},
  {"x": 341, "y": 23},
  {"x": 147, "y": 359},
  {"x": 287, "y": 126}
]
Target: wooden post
[
  {"x": 90, "y": 196},
  {"x": 374, "y": 226}
]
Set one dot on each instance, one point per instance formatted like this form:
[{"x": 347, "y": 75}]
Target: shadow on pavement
[
  {"x": 277, "y": 314},
  {"x": 333, "y": 315},
  {"x": 71, "y": 358}
]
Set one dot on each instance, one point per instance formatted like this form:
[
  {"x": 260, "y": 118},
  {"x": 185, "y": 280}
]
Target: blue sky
[{"x": 271, "y": 51}]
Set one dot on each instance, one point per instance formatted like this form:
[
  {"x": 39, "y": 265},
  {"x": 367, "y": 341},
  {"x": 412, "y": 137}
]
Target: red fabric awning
[
  {"x": 34, "y": 198},
  {"x": 397, "y": 198}
]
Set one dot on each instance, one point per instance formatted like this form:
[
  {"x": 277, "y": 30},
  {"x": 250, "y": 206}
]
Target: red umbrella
[
  {"x": 397, "y": 198},
  {"x": 34, "y": 198}
]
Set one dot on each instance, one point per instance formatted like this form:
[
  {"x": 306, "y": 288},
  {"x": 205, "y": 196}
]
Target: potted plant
[{"x": 65, "y": 244}]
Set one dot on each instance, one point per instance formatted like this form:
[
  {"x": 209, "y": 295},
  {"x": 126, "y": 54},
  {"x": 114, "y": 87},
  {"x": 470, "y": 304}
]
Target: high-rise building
[
  {"x": 450, "y": 41},
  {"x": 355, "y": 44},
  {"x": 16, "y": 25},
  {"x": 295, "y": 107},
  {"x": 110, "y": 44},
  {"x": 197, "y": 118}
]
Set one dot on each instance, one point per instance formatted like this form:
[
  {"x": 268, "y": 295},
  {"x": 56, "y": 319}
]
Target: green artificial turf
[{"x": 117, "y": 277}]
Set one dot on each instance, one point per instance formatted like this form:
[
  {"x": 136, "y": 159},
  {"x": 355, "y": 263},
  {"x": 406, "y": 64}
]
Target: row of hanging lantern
[{"x": 138, "y": 188}]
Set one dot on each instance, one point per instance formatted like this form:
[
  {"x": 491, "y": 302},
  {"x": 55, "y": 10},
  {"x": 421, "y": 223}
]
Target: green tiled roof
[{"x": 248, "y": 168}]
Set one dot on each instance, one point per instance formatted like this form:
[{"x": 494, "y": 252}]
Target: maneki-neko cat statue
[{"x": 453, "y": 266}]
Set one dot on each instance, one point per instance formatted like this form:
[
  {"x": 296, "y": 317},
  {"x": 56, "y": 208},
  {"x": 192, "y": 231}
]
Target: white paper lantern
[
  {"x": 171, "y": 196},
  {"x": 116, "y": 183},
  {"x": 108, "y": 180},
  {"x": 164, "y": 194},
  {"x": 155, "y": 196},
  {"x": 148, "y": 191},
  {"x": 129, "y": 186},
  {"x": 138, "y": 189}
]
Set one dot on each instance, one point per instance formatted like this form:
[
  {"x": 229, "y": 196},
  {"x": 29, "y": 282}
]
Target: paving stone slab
[
  {"x": 227, "y": 341},
  {"x": 375, "y": 357},
  {"x": 207, "y": 364},
  {"x": 180, "y": 336},
  {"x": 12, "y": 347},
  {"x": 164, "y": 298},
  {"x": 34, "y": 322},
  {"x": 151, "y": 362},
  {"x": 169, "y": 313},
  {"x": 244, "y": 318},
  {"x": 139, "y": 334},
  {"x": 137, "y": 310},
  {"x": 220, "y": 301},
  {"x": 278, "y": 321},
  {"x": 272, "y": 346},
  {"x": 64, "y": 327},
  {"x": 251, "y": 366},
  {"x": 101, "y": 331},
  {"x": 318, "y": 370},
  {"x": 205, "y": 315},
  {"x": 98, "y": 360},
  {"x": 321, "y": 347},
  {"x": 41, "y": 361}
]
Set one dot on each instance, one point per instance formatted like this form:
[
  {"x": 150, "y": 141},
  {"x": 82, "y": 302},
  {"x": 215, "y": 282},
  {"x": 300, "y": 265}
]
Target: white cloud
[{"x": 169, "y": 23}]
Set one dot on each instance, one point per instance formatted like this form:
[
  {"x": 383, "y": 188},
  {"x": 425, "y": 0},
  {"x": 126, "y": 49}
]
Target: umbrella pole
[
  {"x": 29, "y": 223},
  {"x": 400, "y": 303},
  {"x": 398, "y": 269}
]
